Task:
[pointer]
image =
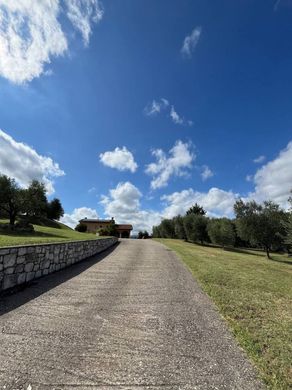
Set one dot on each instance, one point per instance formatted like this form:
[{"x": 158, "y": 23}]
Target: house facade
[{"x": 93, "y": 225}]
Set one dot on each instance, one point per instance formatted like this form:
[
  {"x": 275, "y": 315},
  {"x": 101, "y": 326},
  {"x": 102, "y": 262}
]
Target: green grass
[
  {"x": 46, "y": 231},
  {"x": 254, "y": 295}
]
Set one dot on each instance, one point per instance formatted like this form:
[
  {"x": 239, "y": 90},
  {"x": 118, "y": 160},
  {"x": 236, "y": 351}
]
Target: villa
[{"x": 123, "y": 230}]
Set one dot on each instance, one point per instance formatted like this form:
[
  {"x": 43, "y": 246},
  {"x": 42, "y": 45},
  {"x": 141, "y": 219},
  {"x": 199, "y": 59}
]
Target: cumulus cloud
[
  {"x": 77, "y": 214},
  {"x": 120, "y": 158},
  {"x": 176, "y": 164},
  {"x": 273, "y": 180},
  {"x": 190, "y": 42},
  {"x": 123, "y": 203},
  {"x": 31, "y": 33},
  {"x": 156, "y": 106},
  {"x": 24, "y": 164},
  {"x": 259, "y": 159},
  {"x": 206, "y": 173},
  {"x": 216, "y": 202}
]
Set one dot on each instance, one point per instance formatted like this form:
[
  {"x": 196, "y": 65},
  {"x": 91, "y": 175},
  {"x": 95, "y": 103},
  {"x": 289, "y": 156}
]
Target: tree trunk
[
  {"x": 12, "y": 218},
  {"x": 268, "y": 253}
]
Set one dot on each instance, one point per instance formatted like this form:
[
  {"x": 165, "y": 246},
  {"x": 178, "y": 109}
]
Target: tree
[
  {"x": 144, "y": 234},
  {"x": 35, "y": 199},
  {"x": 288, "y": 225},
  {"x": 261, "y": 225},
  {"x": 55, "y": 209},
  {"x": 80, "y": 227},
  {"x": 156, "y": 232},
  {"x": 195, "y": 226},
  {"x": 166, "y": 228},
  {"x": 179, "y": 229},
  {"x": 221, "y": 232},
  {"x": 11, "y": 198},
  {"x": 196, "y": 209}
]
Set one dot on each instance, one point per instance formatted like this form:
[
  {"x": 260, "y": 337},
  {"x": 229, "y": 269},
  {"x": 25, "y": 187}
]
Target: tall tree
[
  {"x": 288, "y": 225},
  {"x": 55, "y": 209},
  {"x": 36, "y": 200},
  {"x": 11, "y": 198},
  {"x": 196, "y": 227},
  {"x": 196, "y": 209},
  {"x": 221, "y": 232},
  {"x": 179, "y": 229},
  {"x": 166, "y": 228},
  {"x": 261, "y": 225}
]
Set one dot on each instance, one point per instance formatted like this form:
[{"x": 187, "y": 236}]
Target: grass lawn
[
  {"x": 254, "y": 295},
  {"x": 49, "y": 231}
]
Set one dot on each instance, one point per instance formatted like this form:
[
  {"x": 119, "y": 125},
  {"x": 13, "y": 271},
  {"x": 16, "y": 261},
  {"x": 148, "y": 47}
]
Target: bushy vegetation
[
  {"x": 80, "y": 227},
  {"x": 16, "y": 202},
  {"x": 263, "y": 226},
  {"x": 144, "y": 234},
  {"x": 109, "y": 230}
]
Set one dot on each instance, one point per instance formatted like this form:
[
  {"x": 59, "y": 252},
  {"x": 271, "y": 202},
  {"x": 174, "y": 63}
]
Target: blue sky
[{"x": 138, "y": 109}]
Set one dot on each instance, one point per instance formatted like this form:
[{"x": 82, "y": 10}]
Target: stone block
[
  {"x": 20, "y": 259},
  {"x": 36, "y": 267},
  {"x": 38, "y": 274},
  {"x": 9, "y": 271},
  {"x": 9, "y": 260},
  {"x": 19, "y": 268},
  {"x": 21, "y": 278},
  {"x": 30, "y": 276},
  {"x": 1, "y": 267},
  {"x": 9, "y": 281},
  {"x": 45, "y": 272},
  {"x": 22, "y": 251},
  {"x": 45, "y": 264},
  {"x": 4, "y": 252},
  {"x": 28, "y": 267}
]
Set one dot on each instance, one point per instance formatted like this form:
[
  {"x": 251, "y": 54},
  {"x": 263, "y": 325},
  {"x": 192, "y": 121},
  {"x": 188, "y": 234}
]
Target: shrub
[{"x": 81, "y": 228}]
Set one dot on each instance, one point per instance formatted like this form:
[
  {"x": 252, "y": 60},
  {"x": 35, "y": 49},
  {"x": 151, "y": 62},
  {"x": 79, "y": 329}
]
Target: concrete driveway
[{"x": 131, "y": 318}]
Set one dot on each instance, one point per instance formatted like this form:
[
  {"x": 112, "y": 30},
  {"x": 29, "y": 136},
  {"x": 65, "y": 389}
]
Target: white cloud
[
  {"x": 92, "y": 190},
  {"x": 82, "y": 13},
  {"x": 31, "y": 34},
  {"x": 175, "y": 117},
  {"x": 216, "y": 202},
  {"x": 190, "y": 42},
  {"x": 120, "y": 158},
  {"x": 180, "y": 158},
  {"x": 259, "y": 159},
  {"x": 77, "y": 214},
  {"x": 123, "y": 203},
  {"x": 273, "y": 181},
  {"x": 206, "y": 173},
  {"x": 156, "y": 107},
  {"x": 24, "y": 164}
]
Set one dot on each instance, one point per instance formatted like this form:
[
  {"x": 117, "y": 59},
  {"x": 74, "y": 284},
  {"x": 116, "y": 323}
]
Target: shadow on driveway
[{"x": 17, "y": 296}]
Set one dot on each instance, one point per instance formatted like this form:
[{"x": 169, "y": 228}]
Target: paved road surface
[{"x": 134, "y": 319}]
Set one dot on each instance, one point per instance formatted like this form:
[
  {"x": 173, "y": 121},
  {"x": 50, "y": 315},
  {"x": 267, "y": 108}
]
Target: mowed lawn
[
  {"x": 254, "y": 295},
  {"x": 43, "y": 234}
]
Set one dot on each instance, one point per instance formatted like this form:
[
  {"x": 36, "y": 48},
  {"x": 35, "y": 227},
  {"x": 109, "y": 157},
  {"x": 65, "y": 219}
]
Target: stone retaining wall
[{"x": 22, "y": 264}]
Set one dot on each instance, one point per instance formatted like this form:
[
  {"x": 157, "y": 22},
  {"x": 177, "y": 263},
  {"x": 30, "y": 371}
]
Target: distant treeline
[
  {"x": 266, "y": 226},
  {"x": 30, "y": 202}
]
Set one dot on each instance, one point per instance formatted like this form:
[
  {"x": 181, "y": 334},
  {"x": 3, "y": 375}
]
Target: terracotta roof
[
  {"x": 95, "y": 220},
  {"x": 124, "y": 226}
]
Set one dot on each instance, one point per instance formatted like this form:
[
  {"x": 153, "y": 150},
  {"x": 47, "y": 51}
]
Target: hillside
[{"x": 45, "y": 231}]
